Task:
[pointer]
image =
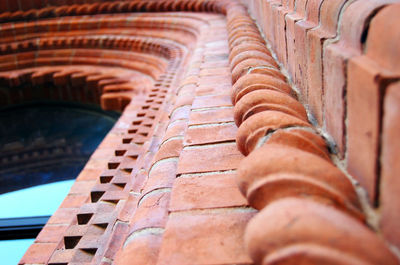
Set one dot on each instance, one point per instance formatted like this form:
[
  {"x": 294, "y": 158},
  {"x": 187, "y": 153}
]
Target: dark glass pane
[{"x": 47, "y": 143}]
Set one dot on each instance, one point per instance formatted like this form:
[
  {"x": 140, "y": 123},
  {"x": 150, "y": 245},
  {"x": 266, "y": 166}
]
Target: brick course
[{"x": 297, "y": 106}]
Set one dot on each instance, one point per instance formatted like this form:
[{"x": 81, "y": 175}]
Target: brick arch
[
  {"x": 106, "y": 68},
  {"x": 84, "y": 84},
  {"x": 130, "y": 61},
  {"x": 290, "y": 139},
  {"x": 12, "y": 12}
]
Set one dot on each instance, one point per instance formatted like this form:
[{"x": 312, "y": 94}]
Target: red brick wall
[
  {"x": 208, "y": 105},
  {"x": 343, "y": 57}
]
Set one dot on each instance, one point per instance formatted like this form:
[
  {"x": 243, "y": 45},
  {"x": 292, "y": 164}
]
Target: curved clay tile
[
  {"x": 271, "y": 71},
  {"x": 244, "y": 66},
  {"x": 272, "y": 159},
  {"x": 245, "y": 39},
  {"x": 302, "y": 231},
  {"x": 259, "y": 124},
  {"x": 243, "y": 31},
  {"x": 302, "y": 139},
  {"x": 261, "y": 100},
  {"x": 251, "y": 82},
  {"x": 250, "y": 55},
  {"x": 142, "y": 249},
  {"x": 247, "y": 47}
]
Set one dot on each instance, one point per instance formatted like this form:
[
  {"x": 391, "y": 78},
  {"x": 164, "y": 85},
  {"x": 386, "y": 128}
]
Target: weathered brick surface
[
  {"x": 38, "y": 253},
  {"x": 205, "y": 191},
  {"x": 200, "y": 92},
  {"x": 141, "y": 250},
  {"x": 210, "y": 133},
  {"x": 390, "y": 186},
  {"x": 219, "y": 115},
  {"x": 363, "y": 128},
  {"x": 205, "y": 238},
  {"x": 342, "y": 68},
  {"x": 209, "y": 158}
]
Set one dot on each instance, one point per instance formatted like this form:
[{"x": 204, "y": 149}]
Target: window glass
[
  {"x": 11, "y": 251},
  {"x": 43, "y": 148},
  {"x": 34, "y": 201},
  {"x": 47, "y": 143}
]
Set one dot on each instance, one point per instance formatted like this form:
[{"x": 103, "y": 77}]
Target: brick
[
  {"x": 74, "y": 201},
  {"x": 63, "y": 216},
  {"x": 211, "y": 88},
  {"x": 286, "y": 222},
  {"x": 205, "y": 238},
  {"x": 263, "y": 100},
  {"x": 151, "y": 211},
  {"x": 215, "y": 71},
  {"x": 334, "y": 100},
  {"x": 390, "y": 183},
  {"x": 141, "y": 250},
  {"x": 254, "y": 81},
  {"x": 83, "y": 256},
  {"x": 51, "y": 234},
  {"x": 180, "y": 113},
  {"x": 254, "y": 128},
  {"x": 210, "y": 133},
  {"x": 38, "y": 253},
  {"x": 206, "y": 191},
  {"x": 128, "y": 208},
  {"x": 138, "y": 181},
  {"x": 206, "y": 225},
  {"x": 116, "y": 240},
  {"x": 209, "y": 158},
  {"x": 175, "y": 129},
  {"x": 169, "y": 148},
  {"x": 300, "y": 139},
  {"x": 363, "y": 126},
  {"x": 275, "y": 170},
  {"x": 329, "y": 16},
  {"x": 300, "y": 30},
  {"x": 88, "y": 242},
  {"x": 211, "y": 101},
  {"x": 381, "y": 47},
  {"x": 62, "y": 256},
  {"x": 82, "y": 187},
  {"x": 336, "y": 56},
  {"x": 211, "y": 116},
  {"x": 184, "y": 98},
  {"x": 215, "y": 64},
  {"x": 76, "y": 231},
  {"x": 161, "y": 175},
  {"x": 105, "y": 217},
  {"x": 242, "y": 68},
  {"x": 280, "y": 31},
  {"x": 89, "y": 174},
  {"x": 218, "y": 81}
]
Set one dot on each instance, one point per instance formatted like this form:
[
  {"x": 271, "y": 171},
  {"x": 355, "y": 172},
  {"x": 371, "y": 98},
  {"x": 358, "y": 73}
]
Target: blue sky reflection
[{"x": 34, "y": 201}]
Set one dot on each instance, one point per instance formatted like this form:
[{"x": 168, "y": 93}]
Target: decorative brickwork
[{"x": 241, "y": 141}]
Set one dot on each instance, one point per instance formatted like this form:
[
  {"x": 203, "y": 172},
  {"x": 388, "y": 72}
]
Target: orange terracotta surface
[
  {"x": 300, "y": 231},
  {"x": 252, "y": 132}
]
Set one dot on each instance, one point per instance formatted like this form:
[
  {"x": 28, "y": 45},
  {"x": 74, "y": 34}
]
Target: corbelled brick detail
[
  {"x": 220, "y": 155},
  {"x": 341, "y": 56}
]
